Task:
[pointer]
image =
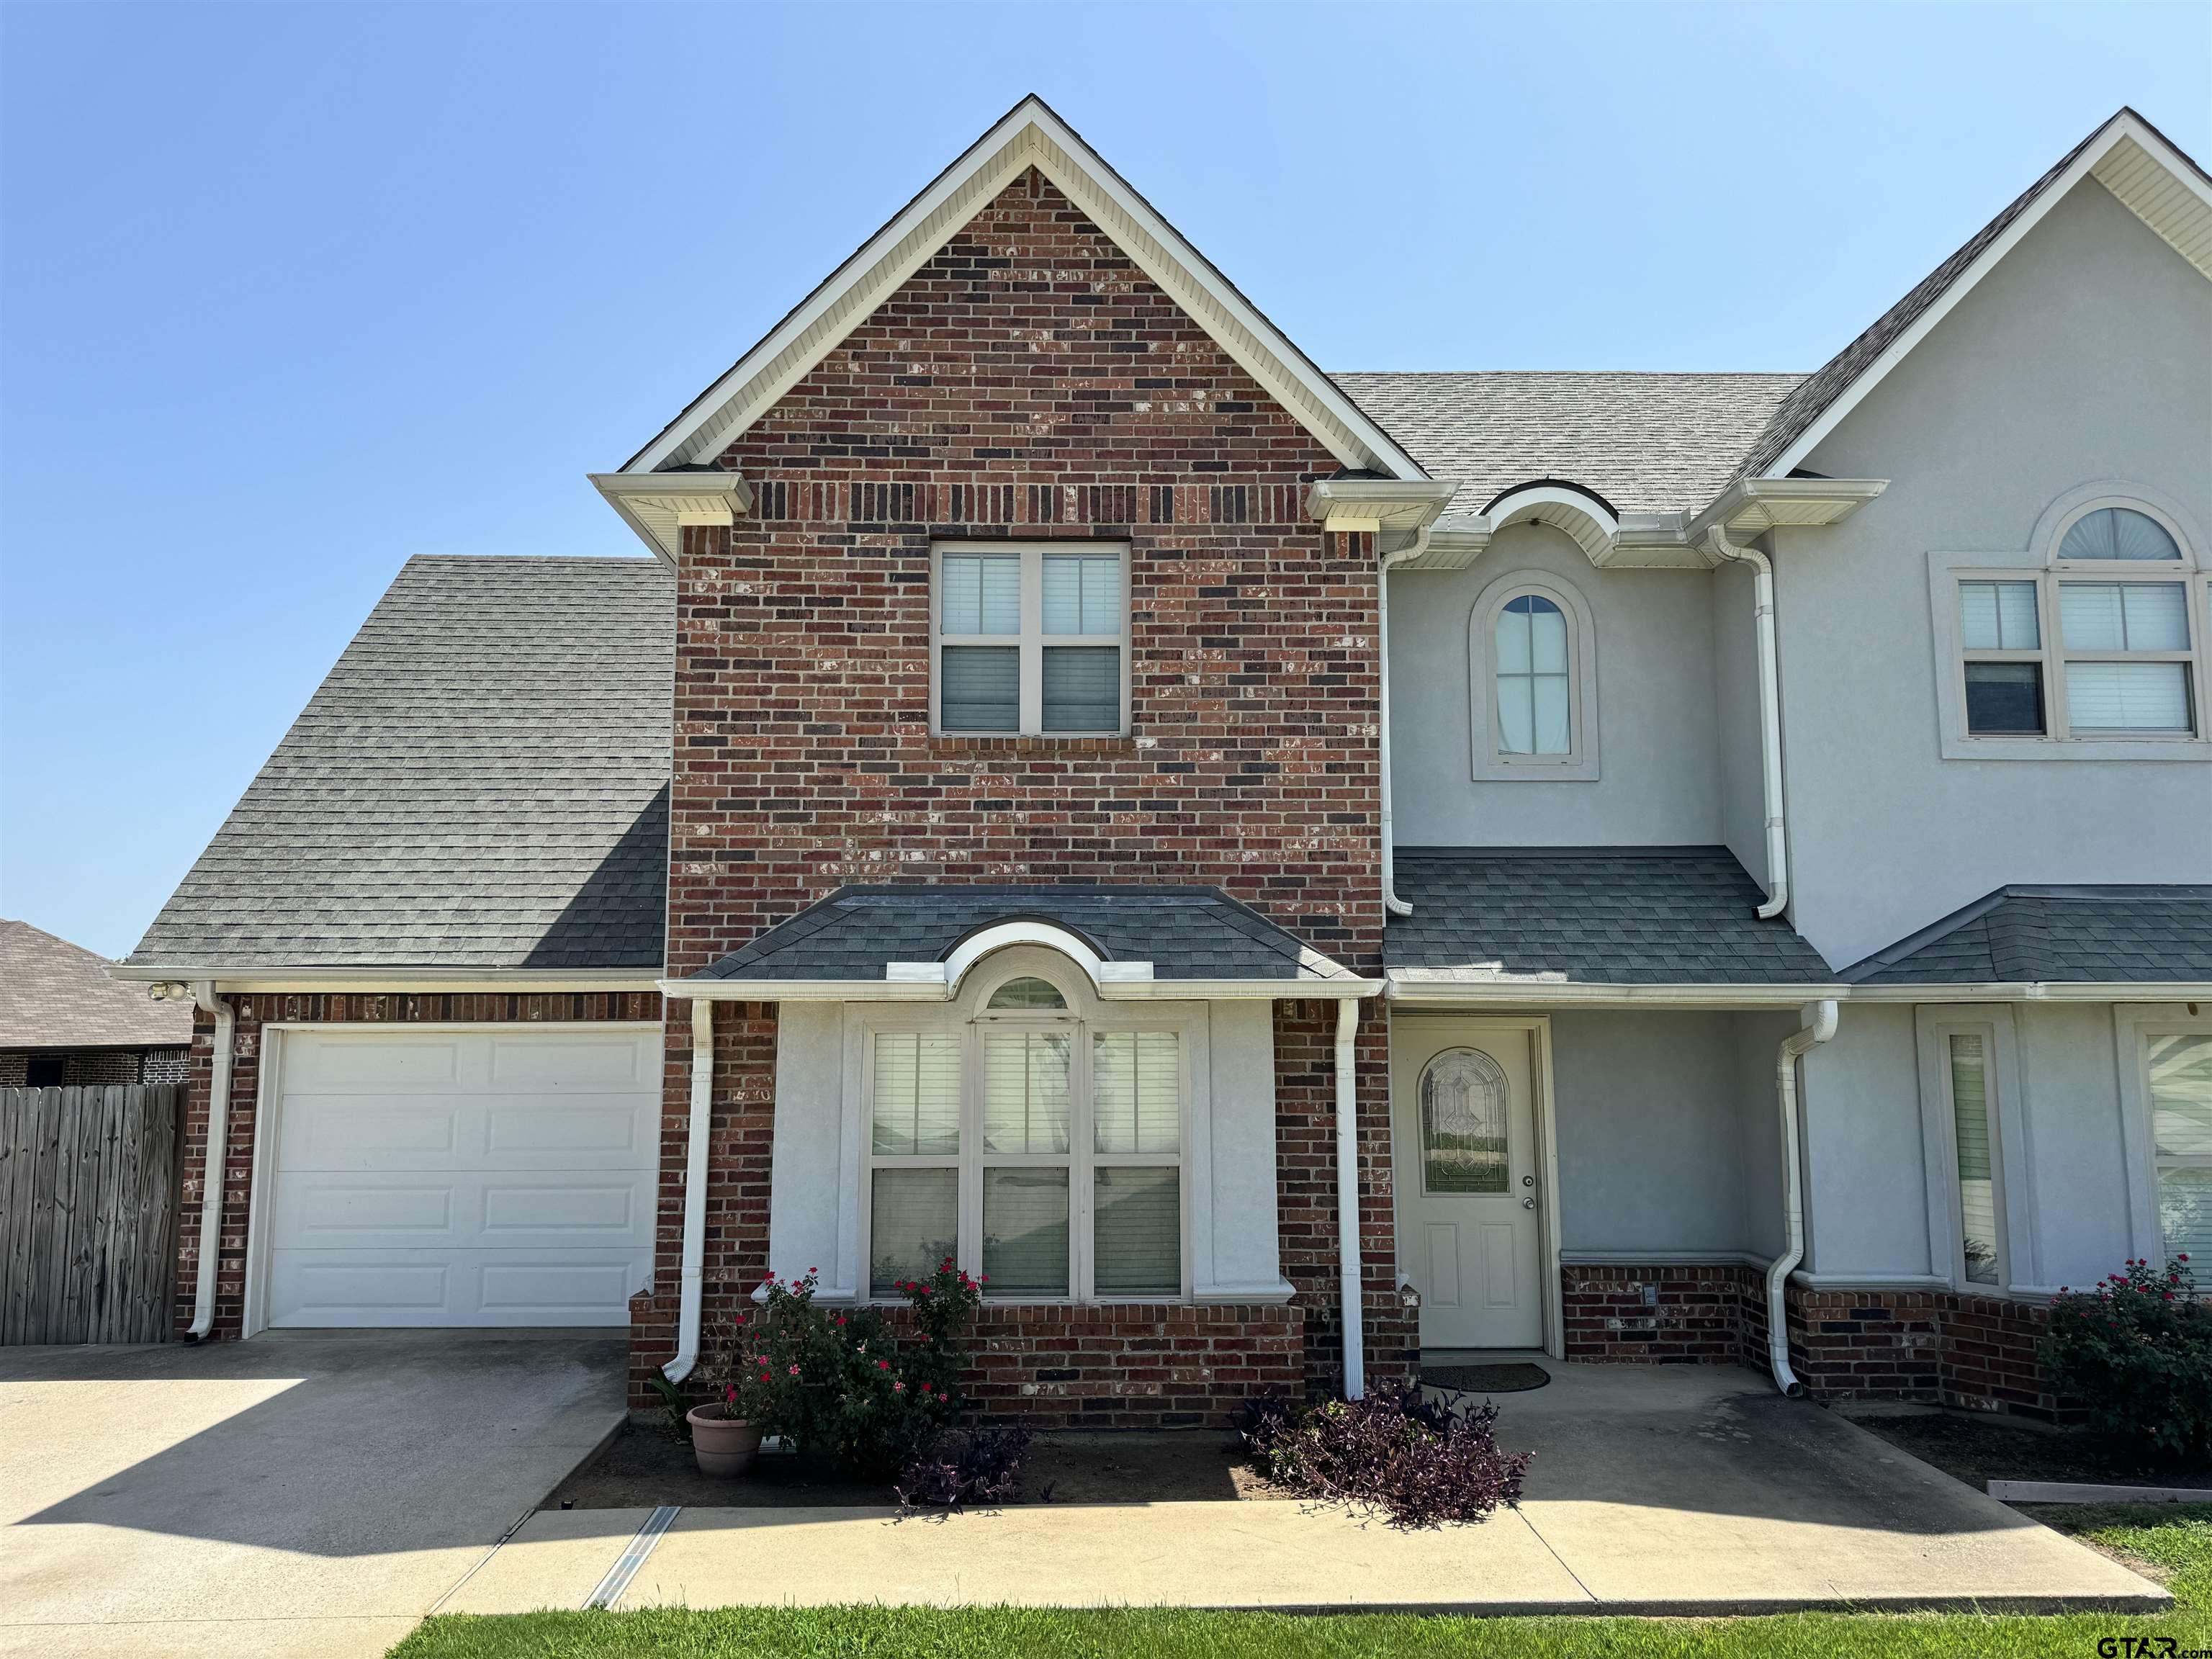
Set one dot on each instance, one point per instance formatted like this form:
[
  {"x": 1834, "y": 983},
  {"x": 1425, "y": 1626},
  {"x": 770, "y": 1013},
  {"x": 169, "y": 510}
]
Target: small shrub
[
  {"x": 1420, "y": 1462},
  {"x": 959, "y": 1466},
  {"x": 2137, "y": 1349},
  {"x": 839, "y": 1382}
]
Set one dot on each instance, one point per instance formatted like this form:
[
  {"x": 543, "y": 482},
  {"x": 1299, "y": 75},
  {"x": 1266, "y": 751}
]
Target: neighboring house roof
[
  {"x": 1647, "y": 443},
  {"x": 1030, "y": 135},
  {"x": 1589, "y": 915},
  {"x": 1185, "y": 932},
  {"x": 2102, "y": 935},
  {"x": 54, "y": 995},
  {"x": 482, "y": 781},
  {"x": 2128, "y": 156}
]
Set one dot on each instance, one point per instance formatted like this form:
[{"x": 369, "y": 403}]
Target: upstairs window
[
  {"x": 1031, "y": 638},
  {"x": 1535, "y": 696},
  {"x": 2105, "y": 641},
  {"x": 1530, "y": 644}
]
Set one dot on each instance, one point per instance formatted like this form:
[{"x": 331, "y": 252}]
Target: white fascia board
[
  {"x": 2040, "y": 991},
  {"x": 2179, "y": 220},
  {"x": 1030, "y": 135},
  {"x": 1543, "y": 993},
  {"x": 258, "y": 979},
  {"x": 658, "y": 505},
  {"x": 1374, "y": 504},
  {"x": 1750, "y": 507},
  {"x": 1243, "y": 990}
]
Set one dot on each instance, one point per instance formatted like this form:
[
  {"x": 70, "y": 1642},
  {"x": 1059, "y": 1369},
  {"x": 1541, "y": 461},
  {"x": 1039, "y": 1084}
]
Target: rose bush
[
  {"x": 841, "y": 1383},
  {"x": 2137, "y": 1349}
]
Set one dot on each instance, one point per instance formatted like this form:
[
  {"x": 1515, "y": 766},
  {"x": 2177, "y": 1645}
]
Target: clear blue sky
[{"x": 288, "y": 293}]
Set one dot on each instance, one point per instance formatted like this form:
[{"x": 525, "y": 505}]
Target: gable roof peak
[
  {"x": 2151, "y": 176},
  {"x": 1029, "y": 135}
]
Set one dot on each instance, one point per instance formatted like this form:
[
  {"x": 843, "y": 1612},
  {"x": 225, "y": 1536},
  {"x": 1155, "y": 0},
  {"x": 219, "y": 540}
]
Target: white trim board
[
  {"x": 1030, "y": 135},
  {"x": 2129, "y": 157}
]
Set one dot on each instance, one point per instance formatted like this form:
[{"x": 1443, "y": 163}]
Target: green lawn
[{"x": 2173, "y": 1543}]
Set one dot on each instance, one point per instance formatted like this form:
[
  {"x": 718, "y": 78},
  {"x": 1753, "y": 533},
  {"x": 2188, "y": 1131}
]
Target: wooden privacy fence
[{"x": 88, "y": 1213}]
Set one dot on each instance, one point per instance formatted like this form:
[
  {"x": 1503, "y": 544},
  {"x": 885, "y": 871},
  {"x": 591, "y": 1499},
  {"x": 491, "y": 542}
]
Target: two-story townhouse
[{"x": 1279, "y": 873}]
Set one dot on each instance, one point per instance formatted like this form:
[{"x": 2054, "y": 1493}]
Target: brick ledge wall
[{"x": 1938, "y": 1347}]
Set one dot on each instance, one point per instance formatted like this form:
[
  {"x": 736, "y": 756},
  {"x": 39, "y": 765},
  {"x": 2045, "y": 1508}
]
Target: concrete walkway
[
  {"x": 304, "y": 1493},
  {"x": 1675, "y": 1491}
]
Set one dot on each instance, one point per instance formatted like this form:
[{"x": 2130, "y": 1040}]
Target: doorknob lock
[{"x": 1528, "y": 1203}]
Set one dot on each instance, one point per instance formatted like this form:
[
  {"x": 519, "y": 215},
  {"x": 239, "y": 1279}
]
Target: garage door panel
[
  {"x": 497, "y": 1178},
  {"x": 576, "y": 1064},
  {"x": 576, "y": 1133},
  {"x": 362, "y": 1065},
  {"x": 364, "y": 1131}
]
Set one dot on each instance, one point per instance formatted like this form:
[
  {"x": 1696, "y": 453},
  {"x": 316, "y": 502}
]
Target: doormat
[{"x": 1516, "y": 1378}]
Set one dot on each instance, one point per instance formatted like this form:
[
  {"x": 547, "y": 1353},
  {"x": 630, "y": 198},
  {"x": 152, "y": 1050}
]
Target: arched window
[
  {"x": 1027, "y": 994},
  {"x": 1534, "y": 682},
  {"x": 2102, "y": 640}
]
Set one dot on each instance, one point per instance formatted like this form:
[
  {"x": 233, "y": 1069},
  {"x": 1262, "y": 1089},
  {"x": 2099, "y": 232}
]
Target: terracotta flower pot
[{"x": 725, "y": 1446}]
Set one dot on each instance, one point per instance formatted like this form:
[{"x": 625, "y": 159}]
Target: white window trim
[
  {"x": 1032, "y": 640},
  {"x": 1087, "y": 1017},
  {"x": 2133, "y": 1026},
  {"x": 1492, "y": 764},
  {"x": 1947, "y": 572},
  {"x": 2009, "y": 1159}
]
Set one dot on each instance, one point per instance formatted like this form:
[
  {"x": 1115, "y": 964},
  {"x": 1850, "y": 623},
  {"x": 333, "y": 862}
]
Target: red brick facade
[
  {"x": 255, "y": 1012},
  {"x": 1030, "y": 382},
  {"x": 1937, "y": 1346}
]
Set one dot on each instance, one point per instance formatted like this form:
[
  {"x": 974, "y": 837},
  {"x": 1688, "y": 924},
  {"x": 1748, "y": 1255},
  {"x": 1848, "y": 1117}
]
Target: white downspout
[
  {"x": 695, "y": 1193},
  {"x": 1818, "y": 1024},
  {"x": 1392, "y": 904},
  {"x": 218, "y": 1151},
  {"x": 1770, "y": 716},
  {"x": 1347, "y": 1203}
]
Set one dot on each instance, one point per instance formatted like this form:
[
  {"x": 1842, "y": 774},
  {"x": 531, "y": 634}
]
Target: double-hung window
[
  {"x": 1035, "y": 1143},
  {"x": 2107, "y": 642},
  {"x": 1031, "y": 638}
]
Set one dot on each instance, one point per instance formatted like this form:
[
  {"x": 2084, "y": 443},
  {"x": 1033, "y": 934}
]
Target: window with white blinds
[
  {"x": 2179, "y": 1067},
  {"x": 1031, "y": 1147},
  {"x": 1031, "y": 638},
  {"x": 1975, "y": 1144},
  {"x": 2109, "y": 642}
]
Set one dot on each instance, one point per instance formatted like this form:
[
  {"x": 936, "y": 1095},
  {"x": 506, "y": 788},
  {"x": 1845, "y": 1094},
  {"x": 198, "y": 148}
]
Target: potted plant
[{"x": 724, "y": 1438}]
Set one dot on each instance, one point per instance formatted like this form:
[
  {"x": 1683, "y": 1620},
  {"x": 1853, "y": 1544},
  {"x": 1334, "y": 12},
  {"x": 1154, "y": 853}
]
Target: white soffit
[
  {"x": 2131, "y": 158},
  {"x": 1032, "y": 135}
]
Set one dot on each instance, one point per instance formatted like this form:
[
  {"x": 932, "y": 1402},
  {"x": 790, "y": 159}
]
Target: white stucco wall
[
  {"x": 1865, "y": 1162},
  {"x": 1658, "y": 749},
  {"x": 2085, "y": 355},
  {"x": 2076, "y": 1149}
]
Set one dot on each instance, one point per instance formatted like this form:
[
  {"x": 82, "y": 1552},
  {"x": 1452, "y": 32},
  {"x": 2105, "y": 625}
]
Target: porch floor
[{"x": 1662, "y": 1490}]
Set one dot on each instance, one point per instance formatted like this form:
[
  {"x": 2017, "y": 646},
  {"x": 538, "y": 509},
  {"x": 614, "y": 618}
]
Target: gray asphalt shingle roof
[
  {"x": 1589, "y": 915},
  {"x": 482, "y": 781},
  {"x": 2057, "y": 935},
  {"x": 54, "y": 995},
  {"x": 1185, "y": 932},
  {"x": 1648, "y": 443}
]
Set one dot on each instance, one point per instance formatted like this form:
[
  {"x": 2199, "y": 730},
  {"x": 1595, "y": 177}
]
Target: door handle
[{"x": 1528, "y": 1203}]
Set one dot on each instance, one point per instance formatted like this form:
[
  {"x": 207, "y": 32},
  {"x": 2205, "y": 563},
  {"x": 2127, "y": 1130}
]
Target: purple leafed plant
[
  {"x": 960, "y": 1466},
  {"x": 1419, "y": 1462}
]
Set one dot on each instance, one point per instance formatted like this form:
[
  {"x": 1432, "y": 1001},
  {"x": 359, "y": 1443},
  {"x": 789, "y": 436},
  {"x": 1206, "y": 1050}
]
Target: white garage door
[{"x": 491, "y": 1177}]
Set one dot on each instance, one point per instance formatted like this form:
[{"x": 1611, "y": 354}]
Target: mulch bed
[
  {"x": 645, "y": 1464},
  {"x": 1977, "y": 1449}
]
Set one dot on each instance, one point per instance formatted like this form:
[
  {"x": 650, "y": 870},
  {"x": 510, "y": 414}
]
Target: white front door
[
  {"x": 1468, "y": 1179},
  {"x": 493, "y": 1176}
]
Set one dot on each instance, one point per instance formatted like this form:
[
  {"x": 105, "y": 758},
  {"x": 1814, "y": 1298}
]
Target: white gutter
[
  {"x": 1818, "y": 1026},
  {"x": 249, "y": 978},
  {"x": 1347, "y": 1203},
  {"x": 695, "y": 1193},
  {"x": 218, "y": 1147},
  {"x": 1770, "y": 716},
  {"x": 940, "y": 990},
  {"x": 1392, "y": 904}
]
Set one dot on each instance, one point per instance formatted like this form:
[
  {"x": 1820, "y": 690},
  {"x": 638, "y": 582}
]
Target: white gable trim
[
  {"x": 2129, "y": 158},
  {"x": 1030, "y": 136}
]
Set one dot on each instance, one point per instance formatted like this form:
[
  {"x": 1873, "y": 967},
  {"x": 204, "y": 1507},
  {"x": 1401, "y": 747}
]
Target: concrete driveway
[{"x": 309, "y": 1493}]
